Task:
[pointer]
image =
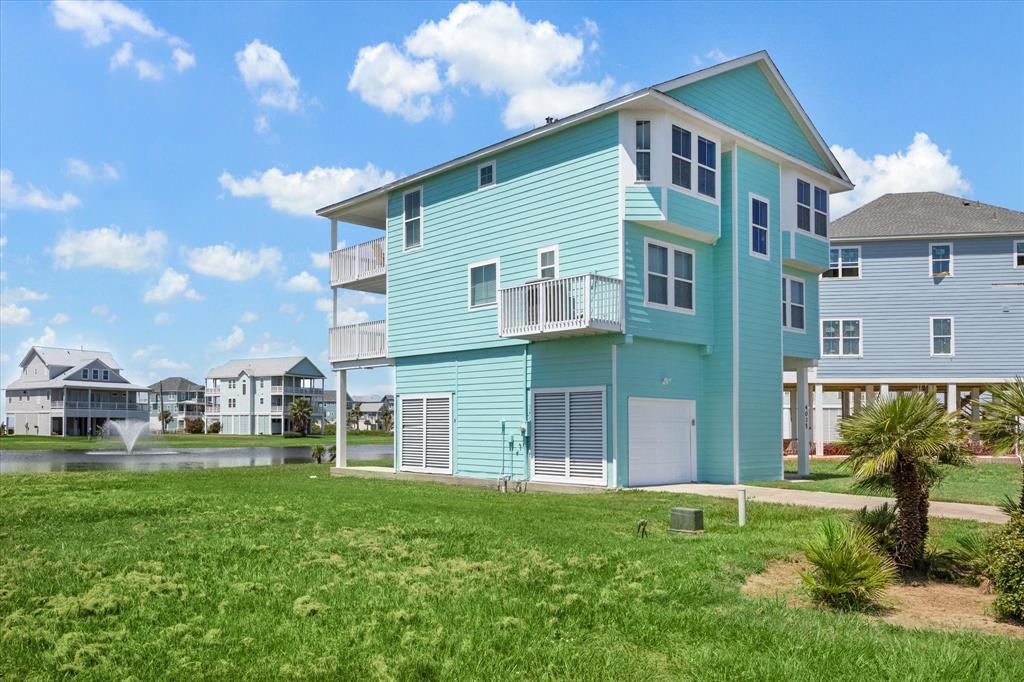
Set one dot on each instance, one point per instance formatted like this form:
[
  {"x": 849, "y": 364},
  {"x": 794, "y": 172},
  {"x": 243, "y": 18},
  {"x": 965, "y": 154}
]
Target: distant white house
[
  {"x": 253, "y": 396},
  {"x": 370, "y": 407},
  {"x": 67, "y": 391}
]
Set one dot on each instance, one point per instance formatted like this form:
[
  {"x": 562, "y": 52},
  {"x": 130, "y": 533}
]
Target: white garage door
[{"x": 662, "y": 441}]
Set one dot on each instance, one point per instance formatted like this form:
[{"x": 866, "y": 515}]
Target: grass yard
[
  {"x": 193, "y": 440},
  {"x": 282, "y": 572},
  {"x": 980, "y": 484}
]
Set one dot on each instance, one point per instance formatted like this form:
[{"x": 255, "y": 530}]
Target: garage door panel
[{"x": 660, "y": 441}]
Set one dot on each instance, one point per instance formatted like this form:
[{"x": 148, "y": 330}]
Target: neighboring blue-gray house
[{"x": 924, "y": 291}]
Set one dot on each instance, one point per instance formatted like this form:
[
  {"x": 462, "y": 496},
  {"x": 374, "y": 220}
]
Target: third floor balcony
[
  {"x": 564, "y": 306},
  {"x": 362, "y": 267}
]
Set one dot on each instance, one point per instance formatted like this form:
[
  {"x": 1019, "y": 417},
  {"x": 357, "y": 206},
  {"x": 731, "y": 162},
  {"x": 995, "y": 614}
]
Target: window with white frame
[
  {"x": 547, "y": 262},
  {"x": 643, "y": 151},
  {"x": 841, "y": 338},
  {"x": 413, "y": 218},
  {"x": 106, "y": 375},
  {"x": 758, "y": 227},
  {"x": 85, "y": 374},
  {"x": 707, "y": 162},
  {"x": 681, "y": 156},
  {"x": 942, "y": 335},
  {"x": 843, "y": 263},
  {"x": 485, "y": 176},
  {"x": 670, "y": 276},
  {"x": 96, "y": 374},
  {"x": 483, "y": 284},
  {"x": 793, "y": 307},
  {"x": 1018, "y": 253},
  {"x": 803, "y": 205},
  {"x": 820, "y": 212},
  {"x": 940, "y": 258}
]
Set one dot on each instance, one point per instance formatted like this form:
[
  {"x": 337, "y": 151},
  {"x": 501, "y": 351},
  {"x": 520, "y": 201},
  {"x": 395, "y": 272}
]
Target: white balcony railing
[
  {"x": 364, "y": 341},
  {"x": 104, "y": 406},
  {"x": 276, "y": 409},
  {"x": 362, "y": 266},
  {"x": 582, "y": 304}
]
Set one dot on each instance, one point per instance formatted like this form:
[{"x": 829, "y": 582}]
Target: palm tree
[
  {"x": 1001, "y": 423},
  {"x": 299, "y": 411},
  {"x": 898, "y": 442},
  {"x": 353, "y": 417},
  {"x": 165, "y": 418}
]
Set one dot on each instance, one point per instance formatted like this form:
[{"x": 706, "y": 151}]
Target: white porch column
[
  {"x": 884, "y": 390},
  {"x": 794, "y": 416},
  {"x": 952, "y": 398},
  {"x": 802, "y": 431},
  {"x": 819, "y": 419},
  {"x": 341, "y": 421}
]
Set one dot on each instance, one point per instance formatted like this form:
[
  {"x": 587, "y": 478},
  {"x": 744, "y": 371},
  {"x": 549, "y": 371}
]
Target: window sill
[{"x": 670, "y": 308}]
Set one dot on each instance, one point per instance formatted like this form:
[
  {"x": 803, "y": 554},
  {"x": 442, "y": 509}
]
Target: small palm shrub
[
  {"x": 848, "y": 570},
  {"x": 317, "y": 452},
  {"x": 194, "y": 425},
  {"x": 1006, "y": 567},
  {"x": 880, "y": 522}
]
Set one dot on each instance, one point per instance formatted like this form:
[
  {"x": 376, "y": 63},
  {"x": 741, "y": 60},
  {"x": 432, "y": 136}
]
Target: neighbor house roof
[
  {"x": 72, "y": 360},
  {"x": 920, "y": 215},
  {"x": 265, "y": 367},
  {"x": 370, "y": 408},
  {"x": 70, "y": 357},
  {"x": 176, "y": 385}
]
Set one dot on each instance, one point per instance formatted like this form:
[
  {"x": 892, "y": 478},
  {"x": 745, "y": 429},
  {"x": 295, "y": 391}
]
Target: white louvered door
[
  {"x": 425, "y": 439},
  {"x": 569, "y": 442}
]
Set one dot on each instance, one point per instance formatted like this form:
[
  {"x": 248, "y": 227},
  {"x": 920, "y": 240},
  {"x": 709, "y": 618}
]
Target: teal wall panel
[
  {"x": 689, "y": 211},
  {"x": 810, "y": 250},
  {"x": 643, "y": 202},
  {"x": 804, "y": 344}
]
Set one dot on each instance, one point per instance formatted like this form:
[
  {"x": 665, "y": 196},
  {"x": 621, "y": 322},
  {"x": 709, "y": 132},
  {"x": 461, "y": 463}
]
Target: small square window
[{"x": 547, "y": 263}]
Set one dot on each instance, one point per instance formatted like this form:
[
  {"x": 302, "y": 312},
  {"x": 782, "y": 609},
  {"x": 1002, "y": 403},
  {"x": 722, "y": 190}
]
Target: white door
[
  {"x": 425, "y": 433},
  {"x": 662, "y": 441},
  {"x": 569, "y": 444}
]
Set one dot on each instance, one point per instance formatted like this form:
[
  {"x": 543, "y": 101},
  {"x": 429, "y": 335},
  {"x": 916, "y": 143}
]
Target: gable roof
[
  {"x": 356, "y": 210},
  {"x": 926, "y": 214},
  {"x": 69, "y": 357},
  {"x": 176, "y": 385},
  {"x": 266, "y": 367}
]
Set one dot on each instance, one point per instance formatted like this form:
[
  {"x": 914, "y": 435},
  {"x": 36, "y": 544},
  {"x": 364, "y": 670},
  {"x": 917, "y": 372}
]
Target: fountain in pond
[{"x": 129, "y": 432}]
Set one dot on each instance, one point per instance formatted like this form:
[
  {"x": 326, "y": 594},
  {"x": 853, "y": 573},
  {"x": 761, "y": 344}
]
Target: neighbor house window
[
  {"x": 758, "y": 227},
  {"x": 85, "y": 374},
  {"x": 413, "y": 211},
  {"x": 669, "y": 276},
  {"x": 942, "y": 335},
  {"x": 820, "y": 212},
  {"x": 707, "y": 162},
  {"x": 681, "y": 156},
  {"x": 106, "y": 375},
  {"x": 941, "y": 258},
  {"x": 840, "y": 337},
  {"x": 1018, "y": 254},
  {"x": 803, "y": 205},
  {"x": 793, "y": 303},
  {"x": 843, "y": 263},
  {"x": 243, "y": 387},
  {"x": 483, "y": 284},
  {"x": 643, "y": 151},
  {"x": 547, "y": 263},
  {"x": 96, "y": 374},
  {"x": 485, "y": 175}
]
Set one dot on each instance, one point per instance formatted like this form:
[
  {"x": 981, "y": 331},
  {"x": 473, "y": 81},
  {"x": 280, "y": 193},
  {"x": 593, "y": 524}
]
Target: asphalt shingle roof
[
  {"x": 266, "y": 367},
  {"x": 176, "y": 385},
  {"x": 925, "y": 214}
]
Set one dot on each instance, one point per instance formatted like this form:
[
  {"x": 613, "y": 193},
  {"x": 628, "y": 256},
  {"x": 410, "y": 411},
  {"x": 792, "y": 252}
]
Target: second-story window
[
  {"x": 413, "y": 219},
  {"x": 841, "y": 338},
  {"x": 843, "y": 263},
  {"x": 707, "y": 162},
  {"x": 1018, "y": 254},
  {"x": 681, "y": 156},
  {"x": 483, "y": 284},
  {"x": 670, "y": 276},
  {"x": 485, "y": 175},
  {"x": 758, "y": 227},
  {"x": 643, "y": 151},
  {"x": 243, "y": 387},
  {"x": 106, "y": 375},
  {"x": 85, "y": 374},
  {"x": 942, "y": 335},
  {"x": 941, "y": 258},
  {"x": 803, "y": 205},
  {"x": 547, "y": 263},
  {"x": 96, "y": 374},
  {"x": 820, "y": 212},
  {"x": 793, "y": 303}
]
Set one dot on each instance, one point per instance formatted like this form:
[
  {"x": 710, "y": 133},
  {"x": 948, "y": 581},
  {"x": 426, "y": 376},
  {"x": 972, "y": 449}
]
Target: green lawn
[
  {"x": 187, "y": 440},
  {"x": 283, "y": 572},
  {"x": 981, "y": 484},
  {"x": 384, "y": 462}
]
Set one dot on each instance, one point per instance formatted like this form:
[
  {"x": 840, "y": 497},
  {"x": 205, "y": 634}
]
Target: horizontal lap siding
[
  {"x": 744, "y": 99},
  {"x": 804, "y": 345},
  {"x": 810, "y": 250},
  {"x": 643, "y": 202},
  {"x": 561, "y": 190},
  {"x": 896, "y": 296},
  {"x": 692, "y": 212}
]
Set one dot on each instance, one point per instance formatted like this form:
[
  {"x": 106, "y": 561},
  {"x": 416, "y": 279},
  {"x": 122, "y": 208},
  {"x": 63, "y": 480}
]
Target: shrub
[
  {"x": 213, "y": 427},
  {"x": 194, "y": 425},
  {"x": 317, "y": 452},
  {"x": 315, "y": 429},
  {"x": 832, "y": 450},
  {"x": 293, "y": 434},
  {"x": 848, "y": 571},
  {"x": 1006, "y": 566},
  {"x": 330, "y": 429},
  {"x": 978, "y": 448},
  {"x": 880, "y": 523}
]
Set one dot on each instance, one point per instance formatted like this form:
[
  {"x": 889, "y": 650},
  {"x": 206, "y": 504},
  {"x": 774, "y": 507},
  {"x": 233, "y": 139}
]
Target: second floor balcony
[
  {"x": 564, "y": 306},
  {"x": 362, "y": 267},
  {"x": 363, "y": 341}
]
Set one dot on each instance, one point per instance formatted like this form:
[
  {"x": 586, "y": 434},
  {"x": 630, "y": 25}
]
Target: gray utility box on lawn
[{"x": 683, "y": 520}]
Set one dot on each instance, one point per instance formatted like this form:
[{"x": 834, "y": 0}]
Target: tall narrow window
[
  {"x": 820, "y": 212},
  {"x": 413, "y": 212},
  {"x": 803, "y": 205},
  {"x": 681, "y": 156},
  {"x": 547, "y": 263},
  {"x": 941, "y": 258},
  {"x": 643, "y": 151},
  {"x": 707, "y": 162},
  {"x": 483, "y": 284},
  {"x": 758, "y": 227},
  {"x": 485, "y": 175},
  {"x": 670, "y": 276},
  {"x": 1018, "y": 254},
  {"x": 657, "y": 274},
  {"x": 793, "y": 303},
  {"x": 942, "y": 336},
  {"x": 840, "y": 337},
  {"x": 843, "y": 263},
  {"x": 106, "y": 375}
]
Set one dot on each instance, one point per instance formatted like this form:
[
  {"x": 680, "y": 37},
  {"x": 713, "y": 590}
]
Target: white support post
[
  {"x": 870, "y": 394},
  {"x": 794, "y": 415},
  {"x": 803, "y": 432},
  {"x": 341, "y": 422},
  {"x": 819, "y": 419},
  {"x": 952, "y": 398},
  {"x": 884, "y": 390}
]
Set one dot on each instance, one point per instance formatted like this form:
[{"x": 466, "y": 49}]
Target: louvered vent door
[
  {"x": 426, "y": 433},
  {"x": 438, "y": 446},
  {"x": 412, "y": 455},
  {"x": 550, "y": 419},
  {"x": 569, "y": 436},
  {"x": 586, "y": 435}
]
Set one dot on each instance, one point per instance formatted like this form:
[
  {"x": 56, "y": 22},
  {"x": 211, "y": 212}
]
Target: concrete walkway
[{"x": 810, "y": 498}]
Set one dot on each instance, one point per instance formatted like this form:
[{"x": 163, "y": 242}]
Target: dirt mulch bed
[{"x": 933, "y": 605}]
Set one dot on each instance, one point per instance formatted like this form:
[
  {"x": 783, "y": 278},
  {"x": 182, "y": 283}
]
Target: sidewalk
[{"x": 810, "y": 498}]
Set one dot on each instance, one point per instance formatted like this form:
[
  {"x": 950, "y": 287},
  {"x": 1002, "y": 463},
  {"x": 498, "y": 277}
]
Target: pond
[{"x": 182, "y": 458}]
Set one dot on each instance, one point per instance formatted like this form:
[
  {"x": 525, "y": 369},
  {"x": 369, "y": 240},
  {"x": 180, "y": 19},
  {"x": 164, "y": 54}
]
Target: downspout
[{"x": 528, "y": 435}]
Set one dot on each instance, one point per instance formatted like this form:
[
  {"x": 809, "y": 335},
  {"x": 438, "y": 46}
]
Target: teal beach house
[{"x": 609, "y": 299}]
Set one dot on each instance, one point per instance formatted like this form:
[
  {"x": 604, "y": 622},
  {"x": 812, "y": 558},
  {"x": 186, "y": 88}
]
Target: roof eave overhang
[{"x": 940, "y": 236}]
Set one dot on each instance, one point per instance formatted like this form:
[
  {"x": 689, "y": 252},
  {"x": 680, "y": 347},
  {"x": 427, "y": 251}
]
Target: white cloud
[
  {"x": 20, "y": 294},
  {"x": 60, "y": 318},
  {"x": 921, "y": 167},
  {"x": 162, "y": 318},
  {"x": 711, "y": 57},
  {"x": 352, "y": 316},
  {"x": 145, "y": 69},
  {"x": 81, "y": 169},
  {"x": 103, "y": 310},
  {"x": 322, "y": 259},
  {"x": 265, "y": 73},
  {"x": 349, "y": 311},
  {"x": 3, "y": 241},
  {"x": 14, "y": 195},
  {"x": 261, "y": 125},
  {"x": 145, "y": 351},
  {"x": 302, "y": 193},
  {"x": 248, "y": 317},
  {"x": 303, "y": 283},
  {"x": 224, "y": 262},
  {"x": 108, "y": 247},
  {"x": 47, "y": 338},
  {"x": 183, "y": 59},
  {"x": 231, "y": 341},
  {"x": 164, "y": 363},
  {"x": 291, "y": 311},
  {"x": 13, "y": 314},
  {"x": 360, "y": 298},
  {"x": 491, "y": 47},
  {"x": 268, "y": 346},
  {"x": 171, "y": 285}
]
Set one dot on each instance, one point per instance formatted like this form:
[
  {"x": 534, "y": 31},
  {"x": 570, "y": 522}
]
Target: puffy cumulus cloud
[
  {"x": 711, "y": 57},
  {"x": 171, "y": 285},
  {"x": 921, "y": 167},
  {"x": 103, "y": 310},
  {"x": 162, "y": 319},
  {"x": 292, "y": 311},
  {"x": 248, "y": 317},
  {"x": 267, "y": 75},
  {"x": 322, "y": 259},
  {"x": 14, "y": 196},
  {"x": 15, "y": 315},
  {"x": 144, "y": 69},
  {"x": 145, "y": 352},
  {"x": 491, "y": 47},
  {"x": 231, "y": 341},
  {"x": 302, "y": 193},
  {"x": 223, "y": 261},
  {"x": 267, "y": 345},
  {"x": 20, "y": 294},
  {"x": 78, "y": 168},
  {"x": 303, "y": 283},
  {"x": 109, "y": 247},
  {"x": 183, "y": 59},
  {"x": 347, "y": 314},
  {"x": 47, "y": 338},
  {"x": 60, "y": 318}
]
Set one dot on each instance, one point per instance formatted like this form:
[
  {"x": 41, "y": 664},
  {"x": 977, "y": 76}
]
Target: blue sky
[{"x": 193, "y": 140}]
